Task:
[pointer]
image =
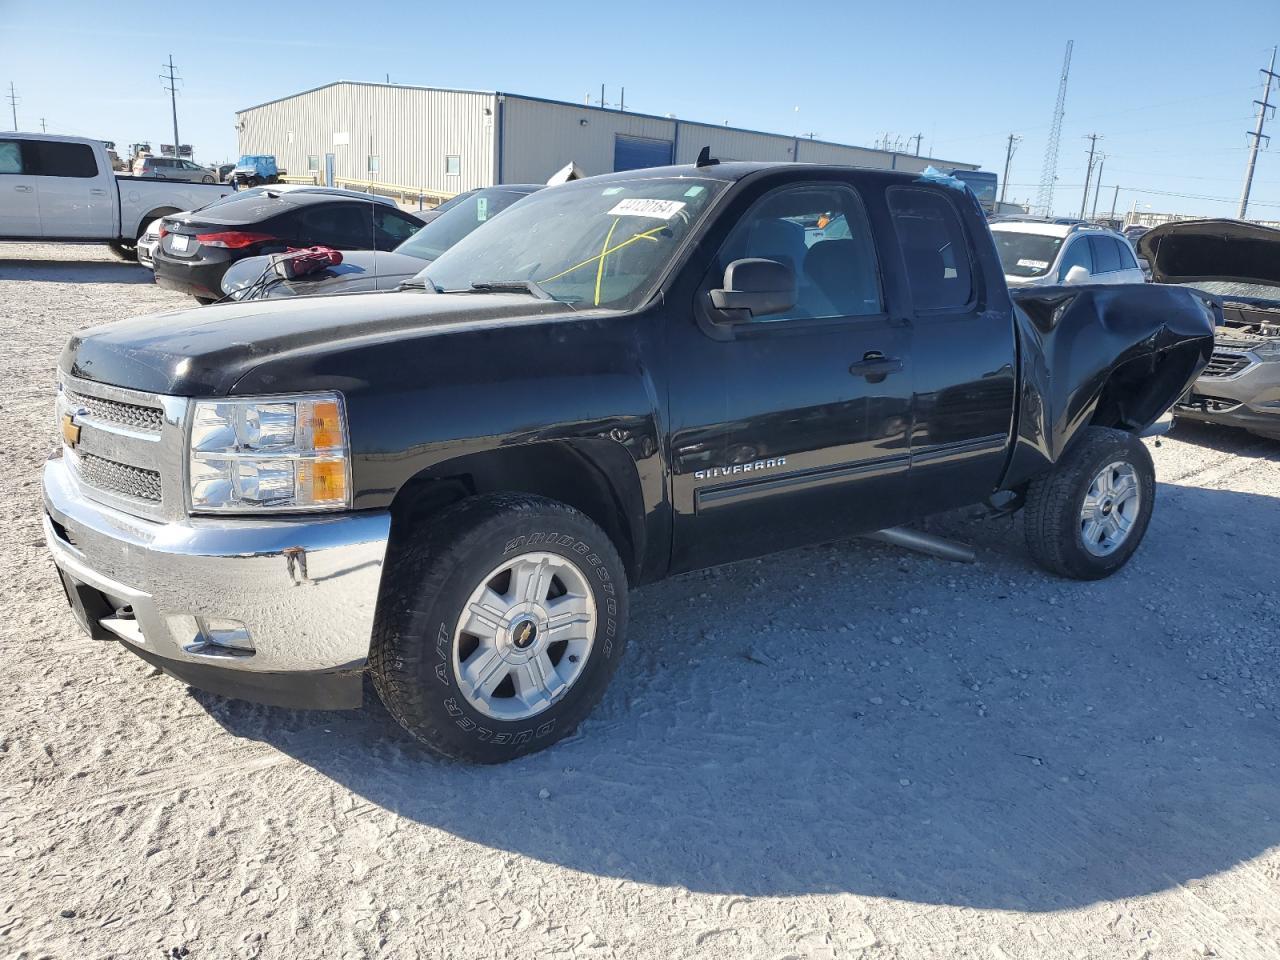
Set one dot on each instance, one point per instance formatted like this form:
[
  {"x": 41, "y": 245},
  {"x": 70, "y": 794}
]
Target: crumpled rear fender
[{"x": 1116, "y": 355}]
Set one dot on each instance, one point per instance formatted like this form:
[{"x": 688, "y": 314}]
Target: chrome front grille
[
  {"x": 1226, "y": 363},
  {"x": 126, "y": 448},
  {"x": 131, "y": 415},
  {"x": 120, "y": 478}
]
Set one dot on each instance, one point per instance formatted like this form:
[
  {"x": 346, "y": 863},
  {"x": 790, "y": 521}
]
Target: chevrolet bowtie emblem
[{"x": 70, "y": 430}]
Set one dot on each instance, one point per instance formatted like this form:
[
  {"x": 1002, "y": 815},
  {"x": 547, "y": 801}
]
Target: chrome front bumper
[{"x": 239, "y": 597}]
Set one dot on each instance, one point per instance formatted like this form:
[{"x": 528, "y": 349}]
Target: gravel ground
[{"x": 843, "y": 751}]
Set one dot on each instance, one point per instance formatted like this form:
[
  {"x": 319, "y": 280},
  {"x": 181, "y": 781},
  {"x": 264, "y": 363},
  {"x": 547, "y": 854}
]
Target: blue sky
[{"x": 1169, "y": 85}]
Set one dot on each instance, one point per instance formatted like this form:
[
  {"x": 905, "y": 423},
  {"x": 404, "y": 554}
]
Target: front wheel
[
  {"x": 499, "y": 629},
  {"x": 1086, "y": 517},
  {"x": 206, "y": 180}
]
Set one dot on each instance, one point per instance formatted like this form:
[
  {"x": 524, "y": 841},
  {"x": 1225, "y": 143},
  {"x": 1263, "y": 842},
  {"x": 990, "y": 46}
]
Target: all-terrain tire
[
  {"x": 416, "y": 639},
  {"x": 1052, "y": 520}
]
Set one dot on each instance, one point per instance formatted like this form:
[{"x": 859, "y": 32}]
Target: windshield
[
  {"x": 584, "y": 243},
  {"x": 1026, "y": 254},
  {"x": 459, "y": 220}
]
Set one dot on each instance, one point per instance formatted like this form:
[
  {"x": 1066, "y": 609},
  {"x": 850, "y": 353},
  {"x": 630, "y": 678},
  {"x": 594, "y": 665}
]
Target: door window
[
  {"x": 934, "y": 248},
  {"x": 391, "y": 227},
  {"x": 11, "y": 156},
  {"x": 1127, "y": 259},
  {"x": 1076, "y": 255},
  {"x": 54, "y": 159},
  {"x": 821, "y": 233},
  {"x": 1106, "y": 258},
  {"x": 348, "y": 226}
]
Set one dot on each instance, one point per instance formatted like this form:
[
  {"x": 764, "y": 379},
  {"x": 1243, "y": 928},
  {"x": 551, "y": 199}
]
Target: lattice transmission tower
[{"x": 1049, "y": 172}]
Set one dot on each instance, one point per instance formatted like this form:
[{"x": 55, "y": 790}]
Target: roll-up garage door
[{"x": 635, "y": 153}]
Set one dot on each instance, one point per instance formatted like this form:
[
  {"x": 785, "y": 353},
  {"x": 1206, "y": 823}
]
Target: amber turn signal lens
[
  {"x": 322, "y": 481},
  {"x": 326, "y": 425}
]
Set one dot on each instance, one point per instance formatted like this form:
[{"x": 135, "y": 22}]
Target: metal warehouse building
[{"x": 441, "y": 142}]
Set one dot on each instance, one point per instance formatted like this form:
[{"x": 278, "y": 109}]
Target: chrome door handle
[
  {"x": 22, "y": 188},
  {"x": 875, "y": 366}
]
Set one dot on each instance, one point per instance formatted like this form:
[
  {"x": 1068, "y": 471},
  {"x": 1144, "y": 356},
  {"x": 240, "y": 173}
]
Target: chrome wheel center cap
[{"x": 523, "y": 634}]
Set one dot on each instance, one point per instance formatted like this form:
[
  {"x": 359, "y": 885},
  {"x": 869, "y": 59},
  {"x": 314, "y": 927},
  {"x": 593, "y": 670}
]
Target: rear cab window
[
  {"x": 935, "y": 248},
  {"x": 48, "y": 158}
]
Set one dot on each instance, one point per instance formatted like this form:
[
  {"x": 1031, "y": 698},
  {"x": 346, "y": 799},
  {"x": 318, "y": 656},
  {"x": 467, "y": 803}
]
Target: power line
[
  {"x": 1008, "y": 158},
  {"x": 1093, "y": 139},
  {"x": 13, "y": 102},
  {"x": 1264, "y": 105},
  {"x": 172, "y": 87}
]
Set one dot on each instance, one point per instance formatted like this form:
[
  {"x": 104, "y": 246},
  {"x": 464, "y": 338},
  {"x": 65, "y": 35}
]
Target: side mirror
[
  {"x": 1077, "y": 274},
  {"x": 760, "y": 287}
]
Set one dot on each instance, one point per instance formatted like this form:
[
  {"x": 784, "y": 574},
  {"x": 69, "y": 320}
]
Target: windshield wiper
[
  {"x": 530, "y": 287},
  {"x": 413, "y": 283}
]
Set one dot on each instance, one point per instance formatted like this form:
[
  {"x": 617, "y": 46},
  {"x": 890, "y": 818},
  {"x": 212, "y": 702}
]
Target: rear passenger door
[
  {"x": 963, "y": 350},
  {"x": 77, "y": 200},
  {"x": 1106, "y": 260},
  {"x": 790, "y": 428}
]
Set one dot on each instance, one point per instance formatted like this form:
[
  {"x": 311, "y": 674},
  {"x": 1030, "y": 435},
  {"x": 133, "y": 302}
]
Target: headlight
[{"x": 269, "y": 454}]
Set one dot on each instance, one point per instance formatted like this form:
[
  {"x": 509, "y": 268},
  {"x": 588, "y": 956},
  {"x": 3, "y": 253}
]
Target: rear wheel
[
  {"x": 1086, "y": 518},
  {"x": 500, "y": 628}
]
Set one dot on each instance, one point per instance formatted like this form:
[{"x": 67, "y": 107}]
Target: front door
[{"x": 791, "y": 428}]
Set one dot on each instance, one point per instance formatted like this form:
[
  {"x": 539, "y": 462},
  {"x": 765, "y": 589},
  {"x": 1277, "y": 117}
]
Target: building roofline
[{"x": 625, "y": 113}]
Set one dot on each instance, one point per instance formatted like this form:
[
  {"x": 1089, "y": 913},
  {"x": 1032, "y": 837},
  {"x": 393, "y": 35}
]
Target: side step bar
[{"x": 925, "y": 543}]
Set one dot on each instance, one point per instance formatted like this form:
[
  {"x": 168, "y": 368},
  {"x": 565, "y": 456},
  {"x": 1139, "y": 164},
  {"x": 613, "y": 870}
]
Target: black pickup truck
[{"x": 453, "y": 487}]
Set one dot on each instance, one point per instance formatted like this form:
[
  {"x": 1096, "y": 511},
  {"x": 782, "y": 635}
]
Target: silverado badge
[{"x": 70, "y": 430}]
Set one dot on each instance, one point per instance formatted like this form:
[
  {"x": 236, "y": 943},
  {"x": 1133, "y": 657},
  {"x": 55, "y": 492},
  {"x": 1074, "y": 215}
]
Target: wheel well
[
  {"x": 1139, "y": 391},
  {"x": 147, "y": 218},
  {"x": 574, "y": 473}
]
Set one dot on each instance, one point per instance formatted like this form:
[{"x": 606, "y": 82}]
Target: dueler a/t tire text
[{"x": 414, "y": 655}]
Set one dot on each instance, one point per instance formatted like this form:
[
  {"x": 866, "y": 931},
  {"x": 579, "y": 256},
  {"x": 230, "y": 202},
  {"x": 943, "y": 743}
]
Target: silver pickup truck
[{"x": 62, "y": 189}]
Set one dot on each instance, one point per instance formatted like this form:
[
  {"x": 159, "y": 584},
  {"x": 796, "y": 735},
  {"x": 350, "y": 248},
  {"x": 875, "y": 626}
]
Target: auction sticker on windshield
[
  {"x": 1034, "y": 264},
  {"x": 639, "y": 207}
]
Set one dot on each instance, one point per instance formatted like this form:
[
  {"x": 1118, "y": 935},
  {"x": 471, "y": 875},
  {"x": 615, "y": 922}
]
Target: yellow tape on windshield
[
  {"x": 647, "y": 235},
  {"x": 600, "y": 266}
]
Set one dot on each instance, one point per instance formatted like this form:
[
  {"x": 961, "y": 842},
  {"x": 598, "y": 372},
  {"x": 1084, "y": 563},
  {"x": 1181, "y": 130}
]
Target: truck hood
[
  {"x": 205, "y": 351},
  {"x": 1223, "y": 251}
]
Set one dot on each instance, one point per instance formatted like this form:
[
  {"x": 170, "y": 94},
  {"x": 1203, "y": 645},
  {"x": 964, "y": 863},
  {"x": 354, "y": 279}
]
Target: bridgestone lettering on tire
[
  {"x": 499, "y": 627},
  {"x": 1086, "y": 518}
]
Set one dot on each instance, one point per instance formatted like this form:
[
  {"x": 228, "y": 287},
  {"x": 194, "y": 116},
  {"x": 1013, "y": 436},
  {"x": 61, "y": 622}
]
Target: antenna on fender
[{"x": 705, "y": 159}]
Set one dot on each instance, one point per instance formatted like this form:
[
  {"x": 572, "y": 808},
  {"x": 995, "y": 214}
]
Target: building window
[
  {"x": 373, "y": 163},
  {"x": 452, "y": 165},
  {"x": 313, "y": 163}
]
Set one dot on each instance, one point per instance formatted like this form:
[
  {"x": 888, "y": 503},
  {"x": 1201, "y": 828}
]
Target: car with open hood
[{"x": 1238, "y": 263}]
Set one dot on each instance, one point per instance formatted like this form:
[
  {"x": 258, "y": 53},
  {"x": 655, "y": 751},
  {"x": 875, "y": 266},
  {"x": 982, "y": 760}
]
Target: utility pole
[
  {"x": 42, "y": 126},
  {"x": 172, "y": 87},
  {"x": 622, "y": 100},
  {"x": 1093, "y": 139},
  {"x": 1264, "y": 105},
  {"x": 1097, "y": 187},
  {"x": 13, "y": 102},
  {"x": 1114, "y": 197},
  {"x": 1014, "y": 140},
  {"x": 917, "y": 138}
]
